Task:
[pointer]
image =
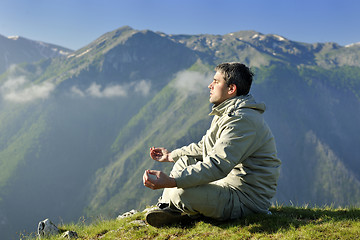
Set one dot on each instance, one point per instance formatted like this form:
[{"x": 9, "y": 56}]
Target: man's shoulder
[
  {"x": 235, "y": 118},
  {"x": 241, "y": 118}
]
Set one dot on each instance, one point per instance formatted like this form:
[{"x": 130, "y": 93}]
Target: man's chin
[{"x": 212, "y": 101}]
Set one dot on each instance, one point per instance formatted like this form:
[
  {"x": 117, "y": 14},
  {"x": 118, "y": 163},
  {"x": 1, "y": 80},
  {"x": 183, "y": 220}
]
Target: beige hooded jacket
[{"x": 239, "y": 150}]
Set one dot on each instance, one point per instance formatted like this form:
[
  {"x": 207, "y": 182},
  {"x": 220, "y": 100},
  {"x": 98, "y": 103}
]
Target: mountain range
[
  {"x": 76, "y": 126},
  {"x": 16, "y": 50}
]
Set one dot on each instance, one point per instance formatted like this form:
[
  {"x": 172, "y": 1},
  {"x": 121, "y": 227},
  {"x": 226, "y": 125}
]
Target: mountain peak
[
  {"x": 250, "y": 35},
  {"x": 244, "y": 33},
  {"x": 357, "y": 44},
  {"x": 17, "y": 49},
  {"x": 13, "y": 37}
]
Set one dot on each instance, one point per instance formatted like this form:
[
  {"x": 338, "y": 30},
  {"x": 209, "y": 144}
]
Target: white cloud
[
  {"x": 75, "y": 90},
  {"x": 142, "y": 87},
  {"x": 20, "y": 90},
  {"x": 108, "y": 92},
  {"x": 94, "y": 90},
  {"x": 189, "y": 82},
  {"x": 12, "y": 84},
  {"x": 115, "y": 91}
]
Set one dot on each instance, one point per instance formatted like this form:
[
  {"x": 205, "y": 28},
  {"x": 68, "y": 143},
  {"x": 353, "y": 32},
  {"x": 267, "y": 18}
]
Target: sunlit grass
[{"x": 284, "y": 223}]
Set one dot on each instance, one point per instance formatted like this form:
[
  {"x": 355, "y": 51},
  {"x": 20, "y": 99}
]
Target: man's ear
[{"x": 232, "y": 89}]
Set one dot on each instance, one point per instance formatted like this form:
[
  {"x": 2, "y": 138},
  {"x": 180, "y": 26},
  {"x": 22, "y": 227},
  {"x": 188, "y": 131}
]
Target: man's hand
[
  {"x": 160, "y": 155},
  {"x": 156, "y": 180}
]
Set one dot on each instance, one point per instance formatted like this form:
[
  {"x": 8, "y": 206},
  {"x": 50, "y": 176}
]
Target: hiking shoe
[
  {"x": 165, "y": 217},
  {"x": 162, "y": 205}
]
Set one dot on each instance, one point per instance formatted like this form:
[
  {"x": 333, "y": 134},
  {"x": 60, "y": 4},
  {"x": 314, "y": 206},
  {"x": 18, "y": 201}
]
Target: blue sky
[{"x": 75, "y": 23}]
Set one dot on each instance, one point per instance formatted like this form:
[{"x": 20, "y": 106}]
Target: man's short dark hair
[{"x": 238, "y": 74}]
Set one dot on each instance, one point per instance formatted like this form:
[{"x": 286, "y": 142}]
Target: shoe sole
[{"x": 162, "y": 218}]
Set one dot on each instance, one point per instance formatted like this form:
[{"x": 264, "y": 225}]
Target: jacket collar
[
  {"x": 232, "y": 104},
  {"x": 222, "y": 108}
]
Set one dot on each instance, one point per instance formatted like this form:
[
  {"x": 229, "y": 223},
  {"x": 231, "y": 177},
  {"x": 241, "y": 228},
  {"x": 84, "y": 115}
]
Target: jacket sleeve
[
  {"x": 235, "y": 143},
  {"x": 194, "y": 150}
]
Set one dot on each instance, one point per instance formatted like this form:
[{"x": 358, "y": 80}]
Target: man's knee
[
  {"x": 175, "y": 195},
  {"x": 210, "y": 200},
  {"x": 196, "y": 200},
  {"x": 183, "y": 199}
]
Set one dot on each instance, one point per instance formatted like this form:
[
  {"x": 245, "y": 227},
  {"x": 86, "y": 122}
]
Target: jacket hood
[{"x": 229, "y": 106}]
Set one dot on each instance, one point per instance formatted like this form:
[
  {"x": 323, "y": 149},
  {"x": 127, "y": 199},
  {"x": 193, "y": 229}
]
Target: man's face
[{"x": 219, "y": 90}]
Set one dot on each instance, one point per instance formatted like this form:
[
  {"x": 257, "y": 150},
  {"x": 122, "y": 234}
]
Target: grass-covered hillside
[{"x": 284, "y": 223}]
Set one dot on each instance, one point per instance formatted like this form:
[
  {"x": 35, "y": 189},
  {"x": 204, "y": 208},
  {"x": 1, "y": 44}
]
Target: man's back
[{"x": 256, "y": 174}]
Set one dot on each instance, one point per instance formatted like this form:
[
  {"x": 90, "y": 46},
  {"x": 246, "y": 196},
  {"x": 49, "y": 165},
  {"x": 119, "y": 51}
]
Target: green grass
[{"x": 284, "y": 223}]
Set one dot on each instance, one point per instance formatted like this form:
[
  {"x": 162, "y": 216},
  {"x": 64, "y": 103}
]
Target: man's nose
[{"x": 210, "y": 85}]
